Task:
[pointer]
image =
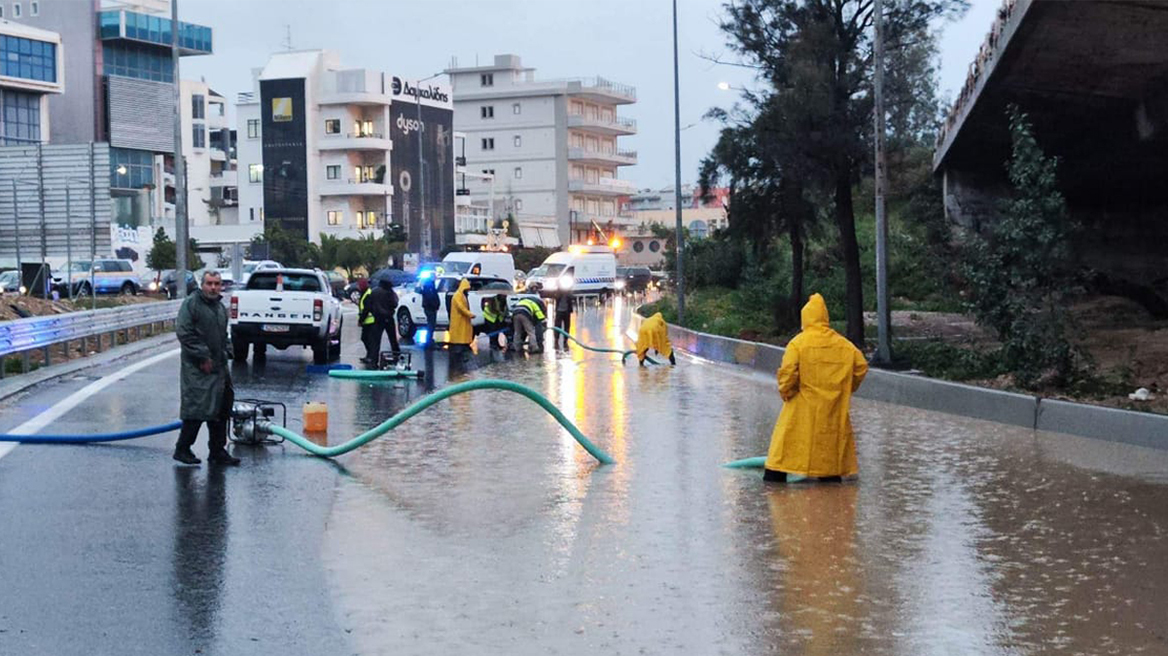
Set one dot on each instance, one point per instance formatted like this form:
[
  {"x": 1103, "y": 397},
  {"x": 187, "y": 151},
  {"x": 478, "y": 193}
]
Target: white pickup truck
[{"x": 286, "y": 307}]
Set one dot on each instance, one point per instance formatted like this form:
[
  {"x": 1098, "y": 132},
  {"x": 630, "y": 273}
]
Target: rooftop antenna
[{"x": 287, "y": 38}]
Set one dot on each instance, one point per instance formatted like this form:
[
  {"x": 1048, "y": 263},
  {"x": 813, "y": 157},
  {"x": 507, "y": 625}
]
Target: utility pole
[
  {"x": 680, "y": 247},
  {"x": 181, "y": 232},
  {"x": 424, "y": 225},
  {"x": 883, "y": 314}
]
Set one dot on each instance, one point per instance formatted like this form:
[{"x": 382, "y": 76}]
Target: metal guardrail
[{"x": 25, "y": 336}]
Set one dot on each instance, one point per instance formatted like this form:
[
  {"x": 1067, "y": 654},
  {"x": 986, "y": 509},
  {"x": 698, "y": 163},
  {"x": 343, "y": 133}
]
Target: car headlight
[
  {"x": 566, "y": 282},
  {"x": 550, "y": 284},
  {"x": 153, "y": 286},
  {"x": 620, "y": 284},
  {"x": 23, "y": 289}
]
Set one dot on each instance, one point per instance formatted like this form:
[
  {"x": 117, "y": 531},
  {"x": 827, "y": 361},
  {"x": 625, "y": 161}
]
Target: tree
[
  {"x": 284, "y": 247},
  {"x": 1022, "y": 271},
  {"x": 163, "y": 254},
  {"x": 815, "y": 57}
]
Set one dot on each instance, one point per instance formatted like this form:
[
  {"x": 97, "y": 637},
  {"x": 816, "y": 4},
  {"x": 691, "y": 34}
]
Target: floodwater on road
[{"x": 482, "y": 524}]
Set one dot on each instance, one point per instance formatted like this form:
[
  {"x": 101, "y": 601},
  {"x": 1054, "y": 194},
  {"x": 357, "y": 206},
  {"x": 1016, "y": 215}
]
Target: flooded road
[{"x": 481, "y": 525}]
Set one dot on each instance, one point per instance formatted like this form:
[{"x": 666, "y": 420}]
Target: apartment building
[
  {"x": 328, "y": 150},
  {"x": 551, "y": 146}
]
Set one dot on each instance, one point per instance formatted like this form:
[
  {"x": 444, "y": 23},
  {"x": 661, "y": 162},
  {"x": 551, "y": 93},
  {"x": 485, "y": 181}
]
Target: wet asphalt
[{"x": 480, "y": 526}]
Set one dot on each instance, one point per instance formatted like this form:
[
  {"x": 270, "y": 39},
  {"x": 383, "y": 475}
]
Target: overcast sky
[{"x": 627, "y": 41}]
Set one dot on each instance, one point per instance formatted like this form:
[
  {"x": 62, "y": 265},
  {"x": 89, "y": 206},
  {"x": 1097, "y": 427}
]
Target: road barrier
[
  {"x": 23, "y": 337},
  {"x": 1025, "y": 410}
]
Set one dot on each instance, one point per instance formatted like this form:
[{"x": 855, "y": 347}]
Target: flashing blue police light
[{"x": 422, "y": 336}]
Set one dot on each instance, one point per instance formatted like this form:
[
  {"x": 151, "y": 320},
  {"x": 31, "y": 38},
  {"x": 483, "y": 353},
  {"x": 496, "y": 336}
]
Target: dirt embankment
[
  {"x": 15, "y": 306},
  {"x": 1128, "y": 347}
]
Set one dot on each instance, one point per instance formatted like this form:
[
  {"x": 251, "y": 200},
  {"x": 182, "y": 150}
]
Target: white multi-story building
[
  {"x": 550, "y": 145},
  {"x": 315, "y": 144}
]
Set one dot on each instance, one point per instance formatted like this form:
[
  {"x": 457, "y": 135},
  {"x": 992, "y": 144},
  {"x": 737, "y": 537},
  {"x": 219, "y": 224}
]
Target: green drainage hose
[
  {"x": 427, "y": 401},
  {"x": 747, "y": 463},
  {"x": 624, "y": 354}
]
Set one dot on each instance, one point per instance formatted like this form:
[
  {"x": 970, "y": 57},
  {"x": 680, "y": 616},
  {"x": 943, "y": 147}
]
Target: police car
[{"x": 411, "y": 318}]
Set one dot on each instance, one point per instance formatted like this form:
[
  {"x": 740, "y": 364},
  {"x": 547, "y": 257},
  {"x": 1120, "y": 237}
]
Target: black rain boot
[
  {"x": 772, "y": 476},
  {"x": 186, "y": 456},
  {"x": 222, "y": 458}
]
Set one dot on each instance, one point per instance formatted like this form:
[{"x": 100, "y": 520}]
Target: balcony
[
  {"x": 599, "y": 158},
  {"x": 225, "y": 179},
  {"x": 217, "y": 154},
  {"x": 601, "y": 90},
  {"x": 619, "y": 127},
  {"x": 355, "y": 141},
  {"x": 354, "y": 187},
  {"x": 471, "y": 223},
  {"x": 602, "y": 187}
]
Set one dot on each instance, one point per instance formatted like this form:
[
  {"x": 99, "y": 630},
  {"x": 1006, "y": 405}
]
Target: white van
[
  {"x": 479, "y": 263},
  {"x": 583, "y": 269}
]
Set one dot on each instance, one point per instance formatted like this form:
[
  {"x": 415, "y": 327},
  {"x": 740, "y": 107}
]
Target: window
[
  {"x": 20, "y": 120},
  {"x": 139, "y": 61},
  {"x": 487, "y": 79},
  {"x": 28, "y": 59},
  {"x": 370, "y": 220},
  {"x": 516, "y": 108},
  {"x": 489, "y": 144},
  {"x": 261, "y": 214},
  {"x": 198, "y": 106},
  {"x": 518, "y": 204},
  {"x": 1, "y": 11},
  {"x": 332, "y": 126},
  {"x": 131, "y": 169},
  {"x": 518, "y": 141},
  {"x": 487, "y": 111},
  {"x": 335, "y": 217},
  {"x": 253, "y": 128},
  {"x": 639, "y": 246},
  {"x": 654, "y": 245},
  {"x": 16, "y": 10},
  {"x": 488, "y": 171},
  {"x": 35, "y": 8},
  {"x": 255, "y": 173},
  {"x": 333, "y": 172},
  {"x": 518, "y": 172},
  {"x": 364, "y": 128},
  {"x": 251, "y": 213},
  {"x": 199, "y": 135}
]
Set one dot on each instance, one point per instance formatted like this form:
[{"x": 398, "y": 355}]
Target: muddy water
[{"x": 482, "y": 525}]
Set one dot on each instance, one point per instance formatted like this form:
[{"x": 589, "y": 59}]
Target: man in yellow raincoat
[
  {"x": 820, "y": 370},
  {"x": 461, "y": 330},
  {"x": 654, "y": 334}
]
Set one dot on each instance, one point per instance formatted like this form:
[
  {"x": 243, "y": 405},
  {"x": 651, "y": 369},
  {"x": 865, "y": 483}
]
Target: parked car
[
  {"x": 286, "y": 307},
  {"x": 106, "y": 276},
  {"x": 634, "y": 278},
  {"x": 337, "y": 283},
  {"x": 251, "y": 266},
  {"x": 168, "y": 283},
  {"x": 411, "y": 317},
  {"x": 10, "y": 281},
  {"x": 534, "y": 281},
  {"x": 397, "y": 277}
]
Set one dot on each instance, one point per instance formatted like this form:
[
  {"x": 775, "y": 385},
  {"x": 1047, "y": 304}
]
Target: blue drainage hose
[{"x": 85, "y": 439}]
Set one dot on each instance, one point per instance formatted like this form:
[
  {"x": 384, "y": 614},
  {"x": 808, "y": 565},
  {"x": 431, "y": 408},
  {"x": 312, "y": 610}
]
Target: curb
[{"x": 1033, "y": 412}]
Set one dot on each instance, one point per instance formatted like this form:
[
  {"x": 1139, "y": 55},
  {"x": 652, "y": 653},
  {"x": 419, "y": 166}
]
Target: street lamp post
[
  {"x": 426, "y": 228},
  {"x": 680, "y": 248},
  {"x": 181, "y": 229},
  {"x": 883, "y": 315}
]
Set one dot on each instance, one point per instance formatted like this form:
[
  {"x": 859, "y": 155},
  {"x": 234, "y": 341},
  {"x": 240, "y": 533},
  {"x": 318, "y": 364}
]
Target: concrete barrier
[{"x": 1137, "y": 428}]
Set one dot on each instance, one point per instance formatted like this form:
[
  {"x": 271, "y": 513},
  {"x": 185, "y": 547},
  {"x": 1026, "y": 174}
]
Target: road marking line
[{"x": 75, "y": 399}]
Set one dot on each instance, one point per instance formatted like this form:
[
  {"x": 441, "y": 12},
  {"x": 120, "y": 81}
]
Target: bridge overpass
[{"x": 1093, "y": 76}]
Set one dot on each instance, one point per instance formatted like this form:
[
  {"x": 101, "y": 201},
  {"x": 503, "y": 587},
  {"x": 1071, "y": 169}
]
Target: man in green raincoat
[{"x": 205, "y": 382}]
